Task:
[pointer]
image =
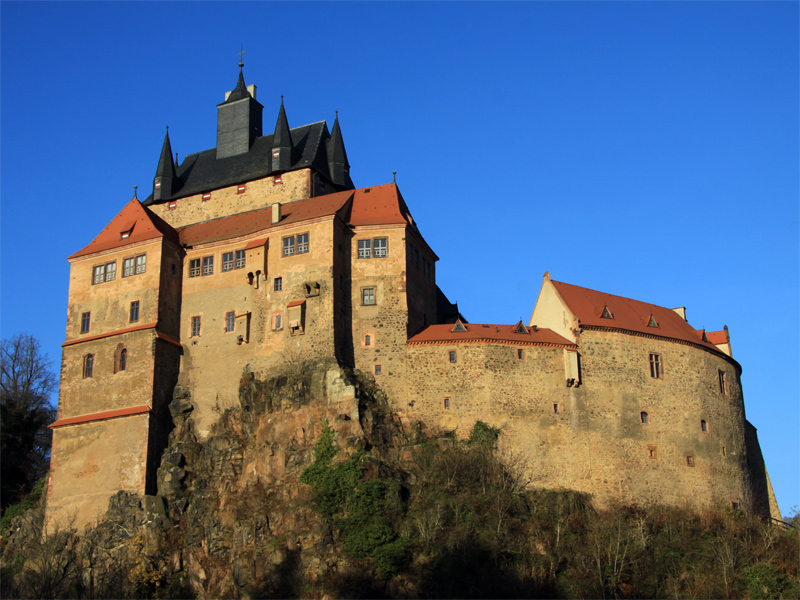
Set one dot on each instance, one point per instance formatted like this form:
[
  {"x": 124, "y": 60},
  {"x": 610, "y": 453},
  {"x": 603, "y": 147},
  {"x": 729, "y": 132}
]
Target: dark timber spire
[
  {"x": 165, "y": 183},
  {"x": 282, "y": 148},
  {"x": 337, "y": 157}
]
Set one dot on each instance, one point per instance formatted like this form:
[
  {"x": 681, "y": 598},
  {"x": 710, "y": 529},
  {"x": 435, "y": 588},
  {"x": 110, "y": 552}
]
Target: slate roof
[
  {"x": 203, "y": 172},
  {"x": 142, "y": 223},
  {"x": 629, "y": 315},
  {"x": 484, "y": 333}
]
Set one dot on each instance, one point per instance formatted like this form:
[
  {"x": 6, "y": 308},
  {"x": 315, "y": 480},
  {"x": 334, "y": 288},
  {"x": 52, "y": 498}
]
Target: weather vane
[{"x": 241, "y": 56}]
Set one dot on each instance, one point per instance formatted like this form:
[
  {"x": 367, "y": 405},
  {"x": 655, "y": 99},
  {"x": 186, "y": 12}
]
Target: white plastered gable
[{"x": 552, "y": 312}]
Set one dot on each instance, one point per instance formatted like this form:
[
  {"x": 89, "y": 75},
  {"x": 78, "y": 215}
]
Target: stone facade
[{"x": 197, "y": 286}]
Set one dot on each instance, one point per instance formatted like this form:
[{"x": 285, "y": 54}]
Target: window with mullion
[
  {"x": 141, "y": 263},
  {"x": 240, "y": 259},
  {"x": 227, "y": 261},
  {"x": 127, "y": 267},
  {"x": 208, "y": 265},
  {"x": 302, "y": 243},
  {"x": 380, "y": 247},
  {"x": 194, "y": 267},
  {"x": 288, "y": 246},
  {"x": 364, "y": 248}
]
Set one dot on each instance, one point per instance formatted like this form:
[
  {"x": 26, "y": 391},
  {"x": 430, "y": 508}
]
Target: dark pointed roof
[
  {"x": 166, "y": 166},
  {"x": 240, "y": 91},
  {"x": 282, "y": 138},
  {"x": 336, "y": 144}
]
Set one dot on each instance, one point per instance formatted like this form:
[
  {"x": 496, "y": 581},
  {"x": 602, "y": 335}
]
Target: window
[
  {"x": 555, "y": 408},
  {"x": 655, "y": 366},
  {"x": 122, "y": 360},
  {"x": 378, "y": 369},
  {"x": 195, "y": 326},
  {"x": 278, "y": 284},
  {"x": 173, "y": 205},
  {"x": 134, "y": 314},
  {"x": 241, "y": 188},
  {"x": 364, "y": 248},
  {"x": 106, "y": 272},
  {"x": 230, "y": 321},
  {"x": 724, "y": 451},
  {"x": 288, "y": 246},
  {"x": 652, "y": 452},
  {"x": 240, "y": 259},
  {"x": 208, "y": 265},
  {"x": 302, "y": 243},
  {"x": 606, "y": 313},
  {"x": 227, "y": 261},
  {"x": 141, "y": 263},
  {"x": 124, "y": 235},
  {"x": 703, "y": 426},
  {"x": 451, "y": 355},
  {"x": 277, "y": 322},
  {"x": 277, "y": 180},
  {"x": 194, "y": 267},
  {"x": 88, "y": 365},
  {"x": 520, "y": 354},
  {"x": 734, "y": 505},
  {"x": 127, "y": 267},
  {"x": 86, "y": 319},
  {"x": 368, "y": 340},
  {"x": 206, "y": 196},
  {"x": 368, "y": 296},
  {"x": 723, "y": 383},
  {"x": 689, "y": 460},
  {"x": 380, "y": 247},
  {"x": 447, "y": 403},
  {"x": 644, "y": 417}
]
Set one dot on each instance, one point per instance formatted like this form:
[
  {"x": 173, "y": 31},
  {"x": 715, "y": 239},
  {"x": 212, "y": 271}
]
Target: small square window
[
  {"x": 689, "y": 460},
  {"x": 230, "y": 321},
  {"x": 86, "y": 319},
  {"x": 206, "y": 196},
  {"x": 364, "y": 248},
  {"x": 734, "y": 505},
  {"x": 368, "y": 296},
  {"x": 447, "y": 403},
  {"x": 302, "y": 243},
  {"x": 227, "y": 261},
  {"x": 380, "y": 247},
  {"x": 134, "y": 312},
  {"x": 208, "y": 265},
  {"x": 241, "y": 188},
  {"x": 195, "y": 326},
  {"x": 240, "y": 259},
  {"x": 656, "y": 370},
  {"x": 288, "y": 246},
  {"x": 451, "y": 355},
  {"x": 194, "y": 267},
  {"x": 378, "y": 369},
  {"x": 278, "y": 284}
]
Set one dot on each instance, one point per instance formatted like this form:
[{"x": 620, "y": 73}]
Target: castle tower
[
  {"x": 165, "y": 183},
  {"x": 238, "y": 120}
]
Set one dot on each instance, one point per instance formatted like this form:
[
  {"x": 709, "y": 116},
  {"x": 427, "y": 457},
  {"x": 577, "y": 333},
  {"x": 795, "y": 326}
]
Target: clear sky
[{"x": 648, "y": 149}]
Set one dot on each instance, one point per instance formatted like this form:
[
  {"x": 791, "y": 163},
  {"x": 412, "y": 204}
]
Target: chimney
[
  {"x": 276, "y": 212},
  {"x": 681, "y": 310}
]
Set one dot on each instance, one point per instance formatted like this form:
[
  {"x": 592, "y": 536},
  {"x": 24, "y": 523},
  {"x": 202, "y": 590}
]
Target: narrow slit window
[
  {"x": 88, "y": 366},
  {"x": 520, "y": 354},
  {"x": 451, "y": 356},
  {"x": 196, "y": 326},
  {"x": 656, "y": 368},
  {"x": 447, "y": 403},
  {"x": 689, "y": 460},
  {"x": 703, "y": 426},
  {"x": 555, "y": 408},
  {"x": 230, "y": 321},
  {"x": 723, "y": 383},
  {"x": 644, "y": 417},
  {"x": 652, "y": 452}
]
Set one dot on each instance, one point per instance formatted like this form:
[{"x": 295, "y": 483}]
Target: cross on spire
[{"x": 241, "y": 56}]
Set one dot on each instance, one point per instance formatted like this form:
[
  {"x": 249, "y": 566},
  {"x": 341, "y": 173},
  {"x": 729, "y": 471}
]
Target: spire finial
[
  {"x": 241, "y": 56},
  {"x": 136, "y": 187},
  {"x": 394, "y": 177}
]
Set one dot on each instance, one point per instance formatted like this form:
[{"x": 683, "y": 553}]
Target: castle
[{"x": 261, "y": 252}]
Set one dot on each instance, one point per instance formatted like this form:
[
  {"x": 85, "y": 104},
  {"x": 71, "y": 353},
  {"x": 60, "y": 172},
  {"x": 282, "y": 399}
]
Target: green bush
[{"x": 15, "y": 510}]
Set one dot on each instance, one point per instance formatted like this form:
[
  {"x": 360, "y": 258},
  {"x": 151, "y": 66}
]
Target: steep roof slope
[
  {"x": 479, "y": 332},
  {"x": 588, "y": 306},
  {"x": 134, "y": 223}
]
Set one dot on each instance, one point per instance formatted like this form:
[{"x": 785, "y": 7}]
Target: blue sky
[{"x": 648, "y": 150}]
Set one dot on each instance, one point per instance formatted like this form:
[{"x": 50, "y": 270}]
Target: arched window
[
  {"x": 88, "y": 365},
  {"x": 120, "y": 358},
  {"x": 703, "y": 426},
  {"x": 645, "y": 417}
]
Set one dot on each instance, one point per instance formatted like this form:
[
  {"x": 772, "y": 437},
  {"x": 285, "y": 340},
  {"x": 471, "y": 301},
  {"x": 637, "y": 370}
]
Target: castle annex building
[{"x": 261, "y": 253}]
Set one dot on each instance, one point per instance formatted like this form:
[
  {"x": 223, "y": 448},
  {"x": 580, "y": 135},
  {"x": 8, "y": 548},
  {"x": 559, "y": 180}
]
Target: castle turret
[
  {"x": 282, "y": 147},
  {"x": 337, "y": 157},
  {"x": 166, "y": 182},
  {"x": 238, "y": 120}
]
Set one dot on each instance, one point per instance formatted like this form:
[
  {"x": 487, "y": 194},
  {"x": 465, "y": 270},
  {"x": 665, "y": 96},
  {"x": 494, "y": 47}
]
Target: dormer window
[
  {"x": 125, "y": 234},
  {"x": 459, "y": 327},
  {"x": 158, "y": 185},
  {"x": 277, "y": 180},
  {"x": 652, "y": 322},
  {"x": 241, "y": 188},
  {"x": 173, "y": 205},
  {"x": 606, "y": 313},
  {"x": 206, "y": 196}
]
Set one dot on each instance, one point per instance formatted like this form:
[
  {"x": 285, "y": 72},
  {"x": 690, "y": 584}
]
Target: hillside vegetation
[{"x": 356, "y": 507}]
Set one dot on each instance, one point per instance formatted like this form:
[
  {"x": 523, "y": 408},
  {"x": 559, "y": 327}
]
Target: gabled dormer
[
  {"x": 238, "y": 120},
  {"x": 166, "y": 182},
  {"x": 282, "y": 147}
]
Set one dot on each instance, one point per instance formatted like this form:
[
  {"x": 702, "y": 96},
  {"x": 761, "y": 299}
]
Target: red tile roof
[
  {"x": 379, "y": 205},
  {"x": 101, "y": 416},
  {"x": 629, "y": 315},
  {"x": 141, "y": 224},
  {"x": 295, "y": 303},
  {"x": 717, "y": 337},
  {"x": 477, "y": 332}
]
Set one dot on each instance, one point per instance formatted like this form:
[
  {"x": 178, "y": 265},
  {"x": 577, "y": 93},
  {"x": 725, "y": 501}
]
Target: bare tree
[{"x": 26, "y": 383}]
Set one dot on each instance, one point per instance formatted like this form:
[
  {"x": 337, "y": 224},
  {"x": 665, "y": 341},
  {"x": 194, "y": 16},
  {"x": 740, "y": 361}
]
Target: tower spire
[
  {"x": 165, "y": 183},
  {"x": 337, "y": 161},
  {"x": 282, "y": 147}
]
